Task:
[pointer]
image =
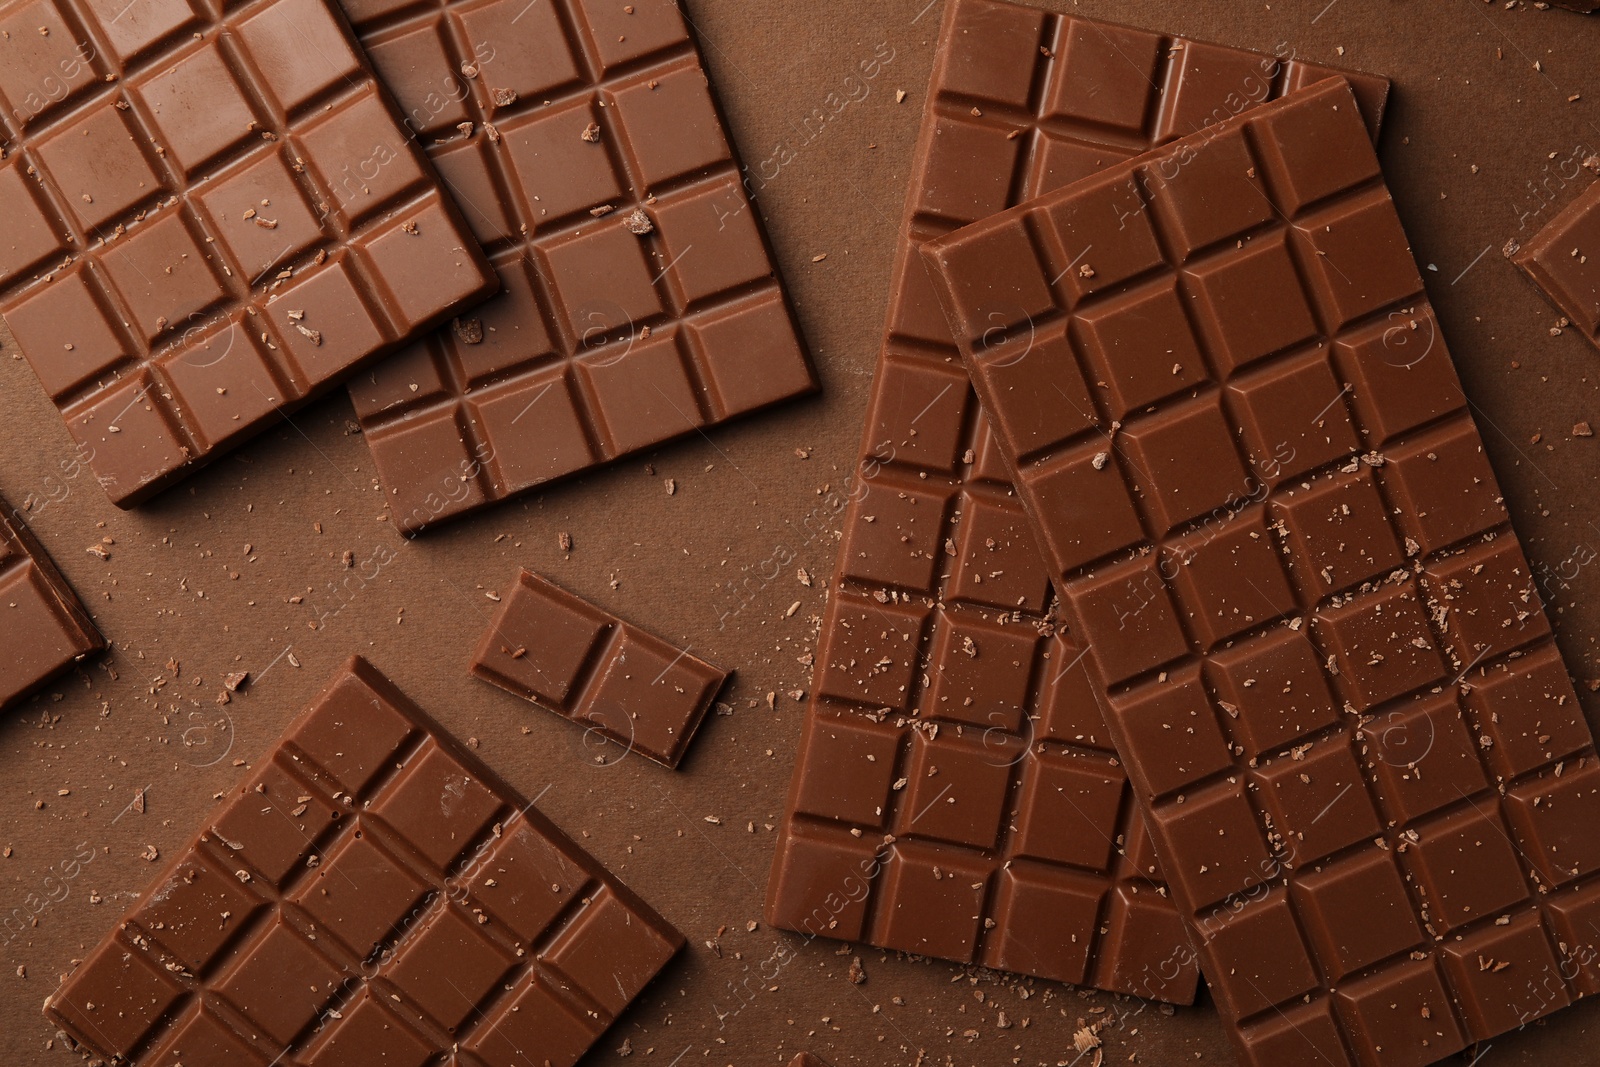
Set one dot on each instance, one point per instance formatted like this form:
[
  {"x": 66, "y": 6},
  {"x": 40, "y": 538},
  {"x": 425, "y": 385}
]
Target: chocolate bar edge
[{"x": 90, "y": 639}]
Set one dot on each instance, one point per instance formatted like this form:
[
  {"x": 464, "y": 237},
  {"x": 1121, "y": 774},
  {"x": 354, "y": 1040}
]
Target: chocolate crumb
[{"x": 639, "y": 223}]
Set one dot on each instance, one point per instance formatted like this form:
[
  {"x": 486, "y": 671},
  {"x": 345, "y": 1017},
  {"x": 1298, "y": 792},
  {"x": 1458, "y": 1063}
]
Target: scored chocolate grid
[
  {"x": 970, "y": 141},
  {"x": 1044, "y": 737},
  {"x": 1024, "y": 121},
  {"x": 278, "y": 903},
  {"x": 585, "y": 380},
  {"x": 1292, "y": 1014},
  {"x": 186, "y": 423}
]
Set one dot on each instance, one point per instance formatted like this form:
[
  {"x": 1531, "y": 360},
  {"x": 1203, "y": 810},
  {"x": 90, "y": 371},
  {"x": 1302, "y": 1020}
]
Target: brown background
[{"x": 202, "y": 577}]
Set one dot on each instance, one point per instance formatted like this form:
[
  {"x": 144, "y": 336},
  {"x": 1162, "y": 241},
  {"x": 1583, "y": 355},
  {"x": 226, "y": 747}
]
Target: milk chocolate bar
[
  {"x": 583, "y": 142},
  {"x": 956, "y": 793},
  {"x": 44, "y": 628},
  {"x": 1557, "y": 259},
  {"x": 211, "y": 216},
  {"x": 371, "y": 894},
  {"x": 623, "y": 683},
  {"x": 1216, "y": 378}
]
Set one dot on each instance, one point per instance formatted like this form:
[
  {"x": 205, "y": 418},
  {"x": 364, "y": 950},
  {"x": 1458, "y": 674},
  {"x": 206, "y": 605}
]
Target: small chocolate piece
[
  {"x": 956, "y": 792},
  {"x": 211, "y": 216},
  {"x": 1270, "y": 520},
  {"x": 640, "y": 301},
  {"x": 808, "y": 1059},
  {"x": 372, "y": 894},
  {"x": 1563, "y": 259},
  {"x": 575, "y": 659},
  {"x": 44, "y": 628},
  {"x": 1584, "y": 7}
]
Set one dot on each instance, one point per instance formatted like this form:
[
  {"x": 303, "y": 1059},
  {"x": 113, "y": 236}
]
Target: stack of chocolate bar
[
  {"x": 1179, "y": 629},
  {"x": 518, "y": 233},
  {"x": 1168, "y": 472}
]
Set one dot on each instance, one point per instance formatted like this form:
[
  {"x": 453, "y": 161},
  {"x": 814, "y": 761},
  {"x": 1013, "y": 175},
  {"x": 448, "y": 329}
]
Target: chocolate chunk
[
  {"x": 938, "y": 651},
  {"x": 1320, "y": 648},
  {"x": 468, "y": 331},
  {"x": 44, "y": 628},
  {"x": 639, "y": 223},
  {"x": 169, "y": 195},
  {"x": 1563, "y": 259},
  {"x": 640, "y": 300},
  {"x": 371, "y": 894},
  {"x": 624, "y": 684}
]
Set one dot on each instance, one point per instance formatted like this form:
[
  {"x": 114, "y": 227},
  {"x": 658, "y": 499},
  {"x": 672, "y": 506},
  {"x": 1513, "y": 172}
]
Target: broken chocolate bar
[{"x": 625, "y": 684}]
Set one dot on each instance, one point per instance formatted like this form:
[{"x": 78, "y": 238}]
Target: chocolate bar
[
  {"x": 640, "y": 302},
  {"x": 211, "y": 217},
  {"x": 1557, "y": 259},
  {"x": 956, "y": 793},
  {"x": 624, "y": 684},
  {"x": 44, "y": 628},
  {"x": 371, "y": 894},
  {"x": 1271, "y": 522}
]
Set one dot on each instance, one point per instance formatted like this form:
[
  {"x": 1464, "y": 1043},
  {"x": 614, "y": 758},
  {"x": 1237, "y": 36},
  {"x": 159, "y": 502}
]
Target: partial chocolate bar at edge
[
  {"x": 371, "y": 894},
  {"x": 44, "y": 627}
]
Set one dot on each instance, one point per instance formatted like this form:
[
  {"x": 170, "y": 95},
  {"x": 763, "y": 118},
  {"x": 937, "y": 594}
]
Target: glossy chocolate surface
[
  {"x": 622, "y": 683},
  {"x": 956, "y": 792},
  {"x": 212, "y": 216},
  {"x": 582, "y": 140},
  {"x": 1270, "y": 520},
  {"x": 371, "y": 894}
]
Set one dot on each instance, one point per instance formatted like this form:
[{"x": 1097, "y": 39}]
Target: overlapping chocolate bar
[
  {"x": 1218, "y": 382},
  {"x": 640, "y": 303},
  {"x": 211, "y": 215},
  {"x": 956, "y": 792}
]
